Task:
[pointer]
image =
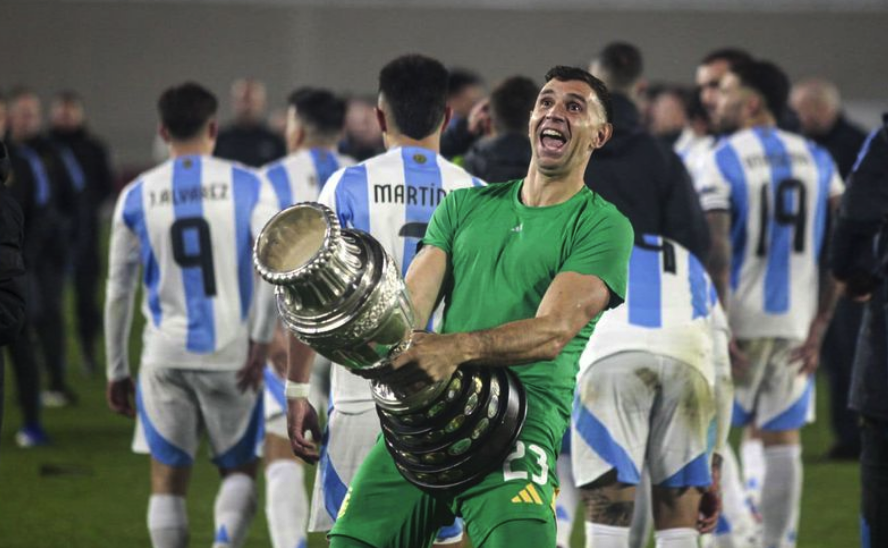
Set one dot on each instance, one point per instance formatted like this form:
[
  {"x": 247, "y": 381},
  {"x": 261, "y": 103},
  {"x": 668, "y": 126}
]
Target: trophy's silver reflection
[{"x": 341, "y": 294}]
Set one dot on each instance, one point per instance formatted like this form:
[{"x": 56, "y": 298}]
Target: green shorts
[{"x": 384, "y": 510}]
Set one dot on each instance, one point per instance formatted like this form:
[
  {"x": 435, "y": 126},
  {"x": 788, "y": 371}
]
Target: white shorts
[
  {"x": 770, "y": 393},
  {"x": 275, "y": 404},
  {"x": 347, "y": 441},
  {"x": 635, "y": 410},
  {"x": 176, "y": 405}
]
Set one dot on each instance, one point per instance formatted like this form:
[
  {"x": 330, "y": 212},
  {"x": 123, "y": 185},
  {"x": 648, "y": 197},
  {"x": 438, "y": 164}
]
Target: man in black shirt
[
  {"x": 248, "y": 139},
  {"x": 860, "y": 259},
  {"x": 86, "y": 160},
  {"x": 636, "y": 172},
  {"x": 819, "y": 108}
]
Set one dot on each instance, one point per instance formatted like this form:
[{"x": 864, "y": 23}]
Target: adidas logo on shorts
[{"x": 528, "y": 495}]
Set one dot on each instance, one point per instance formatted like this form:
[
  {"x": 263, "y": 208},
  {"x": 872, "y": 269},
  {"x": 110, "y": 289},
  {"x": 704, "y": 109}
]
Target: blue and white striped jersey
[
  {"x": 190, "y": 224},
  {"x": 776, "y": 186},
  {"x": 668, "y": 311},
  {"x": 300, "y": 176},
  {"x": 392, "y": 197}
]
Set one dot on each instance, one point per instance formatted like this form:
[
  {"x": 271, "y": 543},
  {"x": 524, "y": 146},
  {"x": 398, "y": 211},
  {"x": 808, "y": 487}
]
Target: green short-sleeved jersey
[{"x": 504, "y": 255}]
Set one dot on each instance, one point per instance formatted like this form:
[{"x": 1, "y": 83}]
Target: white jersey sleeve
[
  {"x": 123, "y": 279},
  {"x": 264, "y": 316},
  {"x": 712, "y": 178},
  {"x": 301, "y": 176},
  {"x": 724, "y": 384}
]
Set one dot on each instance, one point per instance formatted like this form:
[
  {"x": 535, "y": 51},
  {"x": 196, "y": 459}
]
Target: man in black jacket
[
  {"x": 86, "y": 160},
  {"x": 860, "y": 259},
  {"x": 248, "y": 139},
  {"x": 505, "y": 154},
  {"x": 645, "y": 179},
  {"x": 819, "y": 108},
  {"x": 12, "y": 266}
]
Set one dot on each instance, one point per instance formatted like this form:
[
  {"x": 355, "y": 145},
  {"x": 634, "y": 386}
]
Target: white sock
[
  {"x": 737, "y": 525},
  {"x": 753, "y": 461},
  {"x": 286, "y": 504},
  {"x": 234, "y": 510},
  {"x": 642, "y": 513},
  {"x": 606, "y": 536},
  {"x": 167, "y": 521},
  {"x": 566, "y": 503},
  {"x": 781, "y": 495},
  {"x": 682, "y": 537}
]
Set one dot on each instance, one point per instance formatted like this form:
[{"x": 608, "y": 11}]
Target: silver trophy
[{"x": 340, "y": 293}]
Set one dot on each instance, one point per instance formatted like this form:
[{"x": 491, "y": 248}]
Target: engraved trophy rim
[{"x": 329, "y": 245}]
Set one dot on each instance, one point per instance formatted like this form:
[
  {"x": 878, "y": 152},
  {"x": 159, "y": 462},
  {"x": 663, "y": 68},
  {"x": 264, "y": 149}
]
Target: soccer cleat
[
  {"x": 58, "y": 398},
  {"x": 31, "y": 436}
]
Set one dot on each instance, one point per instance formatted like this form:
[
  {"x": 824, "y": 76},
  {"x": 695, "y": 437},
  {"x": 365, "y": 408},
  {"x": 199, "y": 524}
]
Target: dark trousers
[
  {"x": 838, "y": 355},
  {"x": 86, "y": 282},
  {"x": 49, "y": 277},
  {"x": 874, "y": 483}
]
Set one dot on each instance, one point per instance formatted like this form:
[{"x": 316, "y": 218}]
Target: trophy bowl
[{"x": 340, "y": 293}]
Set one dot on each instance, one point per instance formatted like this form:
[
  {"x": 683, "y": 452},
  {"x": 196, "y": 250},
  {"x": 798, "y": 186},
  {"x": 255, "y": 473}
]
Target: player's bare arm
[
  {"x": 719, "y": 270},
  {"x": 301, "y": 416},
  {"x": 828, "y": 294},
  {"x": 424, "y": 280},
  {"x": 569, "y": 304}
]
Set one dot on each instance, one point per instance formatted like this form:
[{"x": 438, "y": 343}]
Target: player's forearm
[
  {"x": 300, "y": 360},
  {"x": 515, "y": 343},
  {"x": 724, "y": 390},
  {"x": 424, "y": 280},
  {"x": 118, "y": 319},
  {"x": 827, "y": 297},
  {"x": 720, "y": 255}
]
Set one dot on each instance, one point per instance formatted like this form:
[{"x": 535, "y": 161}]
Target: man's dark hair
[
  {"x": 320, "y": 109},
  {"x": 185, "y": 109},
  {"x": 511, "y": 103},
  {"x": 768, "y": 80},
  {"x": 622, "y": 63},
  {"x": 415, "y": 89},
  {"x": 732, "y": 56},
  {"x": 567, "y": 74},
  {"x": 68, "y": 96},
  {"x": 460, "y": 79}
]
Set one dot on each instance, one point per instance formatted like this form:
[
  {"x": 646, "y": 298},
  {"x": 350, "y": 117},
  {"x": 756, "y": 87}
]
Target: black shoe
[{"x": 843, "y": 452}]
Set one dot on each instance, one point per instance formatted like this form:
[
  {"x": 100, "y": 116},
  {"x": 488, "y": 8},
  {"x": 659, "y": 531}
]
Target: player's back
[
  {"x": 195, "y": 218},
  {"x": 776, "y": 186},
  {"x": 300, "y": 176},
  {"x": 668, "y": 309},
  {"x": 392, "y": 197}
]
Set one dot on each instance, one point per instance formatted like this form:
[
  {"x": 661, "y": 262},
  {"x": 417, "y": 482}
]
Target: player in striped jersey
[
  {"x": 190, "y": 223},
  {"x": 315, "y": 119},
  {"x": 768, "y": 194},
  {"x": 653, "y": 392},
  {"x": 391, "y": 196}
]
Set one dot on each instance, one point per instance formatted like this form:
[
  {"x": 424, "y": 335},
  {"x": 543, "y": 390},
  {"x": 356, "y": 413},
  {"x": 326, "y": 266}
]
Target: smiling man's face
[{"x": 566, "y": 125}]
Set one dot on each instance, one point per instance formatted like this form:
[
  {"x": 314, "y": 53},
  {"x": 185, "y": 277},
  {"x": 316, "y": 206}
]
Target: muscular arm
[
  {"x": 720, "y": 253},
  {"x": 424, "y": 280},
  {"x": 571, "y": 301}
]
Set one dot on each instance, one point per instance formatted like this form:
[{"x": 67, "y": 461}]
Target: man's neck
[
  {"x": 190, "y": 148},
  {"x": 761, "y": 120},
  {"x": 541, "y": 190},
  {"x": 309, "y": 144},
  {"x": 395, "y": 140}
]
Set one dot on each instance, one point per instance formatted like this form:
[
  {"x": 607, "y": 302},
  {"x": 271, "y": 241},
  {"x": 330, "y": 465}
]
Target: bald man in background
[
  {"x": 819, "y": 107},
  {"x": 248, "y": 139}
]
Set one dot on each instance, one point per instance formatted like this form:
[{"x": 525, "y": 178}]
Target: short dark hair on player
[
  {"x": 415, "y": 89},
  {"x": 511, "y": 102},
  {"x": 460, "y": 79},
  {"x": 320, "y": 109},
  {"x": 622, "y": 63},
  {"x": 185, "y": 109},
  {"x": 732, "y": 56},
  {"x": 567, "y": 74},
  {"x": 768, "y": 80}
]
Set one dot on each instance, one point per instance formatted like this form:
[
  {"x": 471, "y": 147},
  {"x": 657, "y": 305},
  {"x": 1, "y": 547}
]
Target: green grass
[{"x": 89, "y": 490}]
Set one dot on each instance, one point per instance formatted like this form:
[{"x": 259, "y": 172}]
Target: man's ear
[
  {"x": 163, "y": 132},
  {"x": 602, "y": 136},
  {"x": 380, "y": 118},
  {"x": 448, "y": 115},
  {"x": 213, "y": 129}
]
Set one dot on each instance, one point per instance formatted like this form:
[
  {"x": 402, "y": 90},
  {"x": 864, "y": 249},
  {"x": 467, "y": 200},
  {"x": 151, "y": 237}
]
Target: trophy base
[{"x": 461, "y": 435}]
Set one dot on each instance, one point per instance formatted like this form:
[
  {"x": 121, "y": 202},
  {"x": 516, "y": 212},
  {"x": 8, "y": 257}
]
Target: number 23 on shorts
[{"x": 528, "y": 456}]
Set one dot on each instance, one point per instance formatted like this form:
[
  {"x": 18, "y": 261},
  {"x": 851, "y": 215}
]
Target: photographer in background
[{"x": 860, "y": 259}]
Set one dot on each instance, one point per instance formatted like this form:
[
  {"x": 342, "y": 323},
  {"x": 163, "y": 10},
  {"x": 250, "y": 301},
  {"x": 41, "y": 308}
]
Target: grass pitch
[{"x": 88, "y": 490}]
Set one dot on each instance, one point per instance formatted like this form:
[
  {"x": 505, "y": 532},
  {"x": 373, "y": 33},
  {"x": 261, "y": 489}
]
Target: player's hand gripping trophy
[{"x": 339, "y": 292}]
